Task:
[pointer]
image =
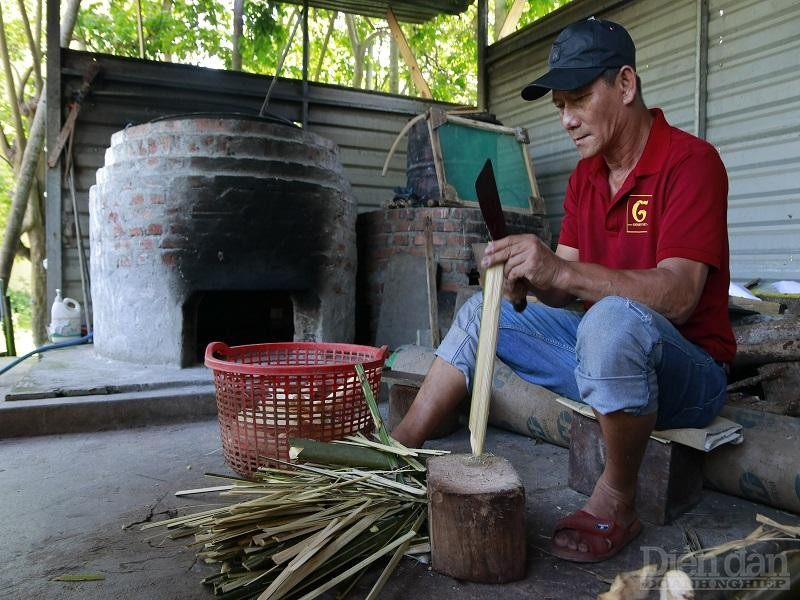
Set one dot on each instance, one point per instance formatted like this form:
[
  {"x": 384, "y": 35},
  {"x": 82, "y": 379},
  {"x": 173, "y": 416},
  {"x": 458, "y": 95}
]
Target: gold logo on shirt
[{"x": 637, "y": 221}]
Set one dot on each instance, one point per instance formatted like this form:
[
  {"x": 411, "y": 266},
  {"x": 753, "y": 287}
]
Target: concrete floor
[{"x": 68, "y": 504}]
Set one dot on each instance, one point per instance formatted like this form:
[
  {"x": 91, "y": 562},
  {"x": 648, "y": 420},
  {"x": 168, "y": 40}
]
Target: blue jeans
[{"x": 619, "y": 355}]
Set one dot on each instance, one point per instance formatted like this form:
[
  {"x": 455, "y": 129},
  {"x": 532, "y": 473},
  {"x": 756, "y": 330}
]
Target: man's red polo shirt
[{"x": 673, "y": 204}]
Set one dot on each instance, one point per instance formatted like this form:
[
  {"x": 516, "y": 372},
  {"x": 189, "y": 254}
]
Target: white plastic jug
[{"x": 65, "y": 318}]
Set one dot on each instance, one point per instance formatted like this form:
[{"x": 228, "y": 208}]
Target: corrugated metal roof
[{"x": 410, "y": 11}]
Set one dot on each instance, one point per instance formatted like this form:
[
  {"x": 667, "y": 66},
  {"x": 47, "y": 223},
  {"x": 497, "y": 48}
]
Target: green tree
[
  {"x": 344, "y": 49},
  {"x": 21, "y": 175},
  {"x": 349, "y": 50},
  {"x": 187, "y": 31}
]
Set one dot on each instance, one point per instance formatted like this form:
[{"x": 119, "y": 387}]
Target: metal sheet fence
[{"x": 753, "y": 108}]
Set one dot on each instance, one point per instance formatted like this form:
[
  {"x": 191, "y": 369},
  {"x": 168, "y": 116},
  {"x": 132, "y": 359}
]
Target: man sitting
[{"x": 644, "y": 245}]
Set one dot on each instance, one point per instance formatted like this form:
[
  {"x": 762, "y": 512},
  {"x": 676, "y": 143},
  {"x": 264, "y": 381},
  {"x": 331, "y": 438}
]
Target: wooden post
[
  {"x": 53, "y": 178},
  {"x": 484, "y": 364},
  {"x": 476, "y": 516},
  {"x": 8, "y": 324},
  {"x": 408, "y": 55},
  {"x": 304, "y": 111},
  {"x": 430, "y": 264},
  {"x": 483, "y": 37}
]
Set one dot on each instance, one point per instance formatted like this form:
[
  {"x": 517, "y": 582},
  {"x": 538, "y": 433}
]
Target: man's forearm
[
  {"x": 553, "y": 297},
  {"x": 661, "y": 289}
]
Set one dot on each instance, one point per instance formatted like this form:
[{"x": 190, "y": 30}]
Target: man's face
[{"x": 590, "y": 116}]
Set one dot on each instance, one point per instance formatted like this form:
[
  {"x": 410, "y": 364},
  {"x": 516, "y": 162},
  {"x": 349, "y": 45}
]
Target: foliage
[
  {"x": 199, "y": 31},
  {"x": 21, "y": 307},
  {"x": 185, "y": 31},
  {"x": 264, "y": 34},
  {"x": 20, "y": 58},
  {"x": 450, "y": 69},
  {"x": 536, "y": 9}
]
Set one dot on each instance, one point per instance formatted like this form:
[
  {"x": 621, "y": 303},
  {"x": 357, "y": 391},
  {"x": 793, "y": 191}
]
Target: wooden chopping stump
[{"x": 476, "y": 517}]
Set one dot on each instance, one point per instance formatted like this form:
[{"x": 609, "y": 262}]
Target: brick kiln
[
  {"x": 232, "y": 229},
  {"x": 383, "y": 233}
]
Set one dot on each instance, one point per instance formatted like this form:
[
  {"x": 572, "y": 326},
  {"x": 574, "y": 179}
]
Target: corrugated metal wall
[
  {"x": 753, "y": 108},
  {"x": 363, "y": 124},
  {"x": 754, "y": 121}
]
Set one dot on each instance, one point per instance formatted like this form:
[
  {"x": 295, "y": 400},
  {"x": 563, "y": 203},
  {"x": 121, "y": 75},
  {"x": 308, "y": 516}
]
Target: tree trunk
[
  {"x": 394, "y": 70},
  {"x": 368, "y": 68},
  {"x": 476, "y": 518},
  {"x": 68, "y": 18},
  {"x": 38, "y": 252},
  {"x": 238, "y": 24},
  {"x": 25, "y": 177},
  {"x": 11, "y": 91},
  {"x": 24, "y": 181},
  {"x": 325, "y": 45},
  {"x": 358, "y": 51}
]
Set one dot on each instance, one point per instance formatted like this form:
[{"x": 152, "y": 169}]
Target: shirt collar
[{"x": 657, "y": 147}]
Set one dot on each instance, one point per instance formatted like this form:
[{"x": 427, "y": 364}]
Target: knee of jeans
[
  {"x": 612, "y": 329},
  {"x": 470, "y": 306}
]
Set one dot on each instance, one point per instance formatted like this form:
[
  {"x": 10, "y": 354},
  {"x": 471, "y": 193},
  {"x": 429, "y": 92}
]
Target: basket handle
[{"x": 216, "y": 350}]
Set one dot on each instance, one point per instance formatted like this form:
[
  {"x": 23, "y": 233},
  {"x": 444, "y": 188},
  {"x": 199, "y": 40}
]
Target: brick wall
[{"x": 383, "y": 233}]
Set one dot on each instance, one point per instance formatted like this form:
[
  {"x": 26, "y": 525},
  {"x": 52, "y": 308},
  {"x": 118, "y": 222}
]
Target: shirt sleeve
[
  {"x": 568, "y": 235},
  {"x": 694, "y": 223}
]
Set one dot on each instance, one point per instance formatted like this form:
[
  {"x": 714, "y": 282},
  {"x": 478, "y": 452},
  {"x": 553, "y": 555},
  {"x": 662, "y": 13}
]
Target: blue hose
[{"x": 84, "y": 340}]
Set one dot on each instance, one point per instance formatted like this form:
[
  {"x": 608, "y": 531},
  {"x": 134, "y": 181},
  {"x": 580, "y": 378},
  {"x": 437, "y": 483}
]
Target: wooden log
[
  {"x": 759, "y": 306},
  {"x": 782, "y": 392},
  {"x": 768, "y": 342},
  {"x": 476, "y": 516},
  {"x": 401, "y": 397}
]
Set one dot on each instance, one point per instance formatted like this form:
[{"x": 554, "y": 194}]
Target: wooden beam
[
  {"x": 482, "y": 43},
  {"x": 408, "y": 55},
  {"x": 512, "y": 19},
  {"x": 53, "y": 177},
  {"x": 304, "y": 112},
  {"x": 430, "y": 268}
]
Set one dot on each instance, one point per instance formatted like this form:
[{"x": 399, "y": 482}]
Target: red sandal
[{"x": 604, "y": 537}]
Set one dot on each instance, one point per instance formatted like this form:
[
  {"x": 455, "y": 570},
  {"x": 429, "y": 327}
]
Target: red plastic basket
[{"x": 267, "y": 393}]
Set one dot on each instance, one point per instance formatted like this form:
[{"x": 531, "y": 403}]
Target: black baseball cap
[{"x": 581, "y": 53}]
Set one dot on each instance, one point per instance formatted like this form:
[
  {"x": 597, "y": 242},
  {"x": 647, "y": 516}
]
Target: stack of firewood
[{"x": 766, "y": 370}]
